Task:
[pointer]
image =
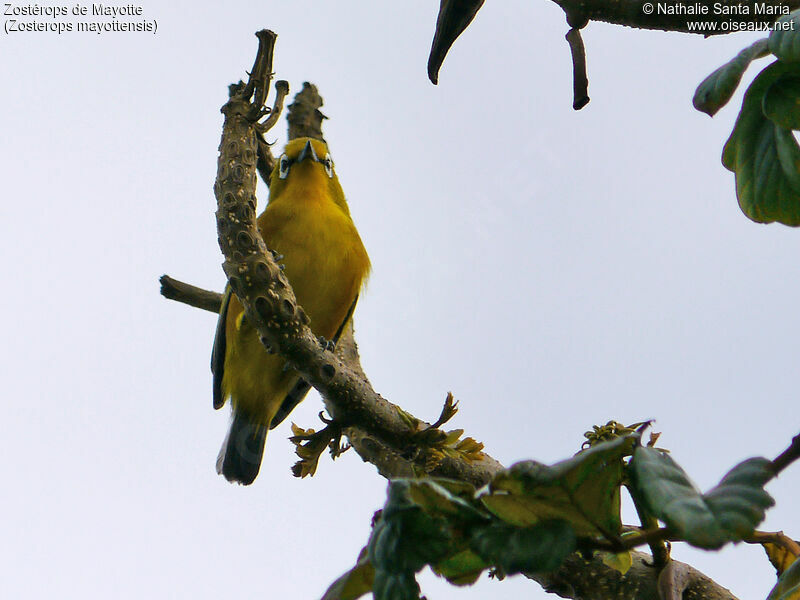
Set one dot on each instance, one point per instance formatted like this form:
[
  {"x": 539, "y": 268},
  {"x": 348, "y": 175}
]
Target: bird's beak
[{"x": 308, "y": 151}]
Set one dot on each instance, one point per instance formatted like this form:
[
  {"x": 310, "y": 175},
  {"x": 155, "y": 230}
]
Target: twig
[
  {"x": 261, "y": 75},
  {"x": 304, "y": 118},
  {"x": 266, "y": 162},
  {"x": 641, "y": 14},
  {"x": 281, "y": 90},
  {"x": 190, "y": 294},
  {"x": 774, "y": 537},
  {"x": 629, "y": 542},
  {"x": 654, "y": 537},
  {"x": 788, "y": 456},
  {"x": 580, "y": 83},
  {"x": 449, "y": 410}
]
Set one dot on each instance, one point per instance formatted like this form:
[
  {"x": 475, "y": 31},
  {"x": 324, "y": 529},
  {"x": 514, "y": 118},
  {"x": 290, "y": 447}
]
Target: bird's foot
[{"x": 327, "y": 344}]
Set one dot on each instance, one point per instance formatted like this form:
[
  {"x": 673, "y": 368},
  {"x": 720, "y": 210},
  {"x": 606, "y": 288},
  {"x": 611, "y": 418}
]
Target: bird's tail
[{"x": 240, "y": 457}]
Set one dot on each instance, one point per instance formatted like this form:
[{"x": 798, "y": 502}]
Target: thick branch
[
  {"x": 390, "y": 462},
  {"x": 305, "y": 118},
  {"x": 393, "y": 460},
  {"x": 631, "y": 13},
  {"x": 706, "y": 17},
  {"x": 583, "y": 579},
  {"x": 270, "y": 303}
]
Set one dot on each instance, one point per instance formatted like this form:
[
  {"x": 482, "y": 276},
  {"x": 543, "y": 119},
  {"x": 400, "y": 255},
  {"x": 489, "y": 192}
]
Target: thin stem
[
  {"x": 774, "y": 537},
  {"x": 580, "y": 82},
  {"x": 788, "y": 456},
  {"x": 179, "y": 291}
]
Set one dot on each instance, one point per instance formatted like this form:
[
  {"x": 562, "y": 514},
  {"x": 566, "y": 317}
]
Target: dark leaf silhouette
[{"x": 454, "y": 16}]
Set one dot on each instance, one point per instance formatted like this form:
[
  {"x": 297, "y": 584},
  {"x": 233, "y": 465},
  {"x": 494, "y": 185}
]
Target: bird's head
[
  {"x": 304, "y": 157},
  {"x": 306, "y": 163}
]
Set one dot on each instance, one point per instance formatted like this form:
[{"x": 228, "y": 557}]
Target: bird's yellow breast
[{"x": 306, "y": 221}]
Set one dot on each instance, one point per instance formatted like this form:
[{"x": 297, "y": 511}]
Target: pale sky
[{"x": 552, "y": 269}]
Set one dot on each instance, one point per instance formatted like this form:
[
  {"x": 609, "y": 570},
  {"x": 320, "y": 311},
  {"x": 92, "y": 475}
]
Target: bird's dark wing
[
  {"x": 218, "y": 352},
  {"x": 300, "y": 389}
]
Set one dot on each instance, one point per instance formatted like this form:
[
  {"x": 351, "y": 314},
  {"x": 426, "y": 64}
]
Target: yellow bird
[{"x": 308, "y": 222}]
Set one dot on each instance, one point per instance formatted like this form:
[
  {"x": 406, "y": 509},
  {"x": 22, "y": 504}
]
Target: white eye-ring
[
  {"x": 283, "y": 166},
  {"x": 328, "y": 162}
]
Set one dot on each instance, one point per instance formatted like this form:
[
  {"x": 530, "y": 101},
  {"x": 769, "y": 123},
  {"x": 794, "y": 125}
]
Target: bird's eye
[
  {"x": 283, "y": 166},
  {"x": 328, "y": 162}
]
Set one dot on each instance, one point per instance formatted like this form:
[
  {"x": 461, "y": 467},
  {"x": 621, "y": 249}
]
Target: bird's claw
[{"x": 327, "y": 344}]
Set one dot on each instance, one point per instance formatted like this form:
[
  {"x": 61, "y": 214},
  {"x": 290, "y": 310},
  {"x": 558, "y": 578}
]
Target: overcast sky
[{"x": 552, "y": 269}]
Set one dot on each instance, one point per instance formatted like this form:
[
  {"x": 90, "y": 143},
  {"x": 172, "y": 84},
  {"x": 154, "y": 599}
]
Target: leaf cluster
[
  {"x": 762, "y": 150},
  {"x": 532, "y": 516}
]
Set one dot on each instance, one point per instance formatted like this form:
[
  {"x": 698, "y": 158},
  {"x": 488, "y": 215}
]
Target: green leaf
[
  {"x": 764, "y": 157},
  {"x": 781, "y": 102},
  {"x": 455, "y": 487},
  {"x": 789, "y": 156},
  {"x": 432, "y": 496},
  {"x": 538, "y": 549},
  {"x": 462, "y": 568},
  {"x": 740, "y": 501},
  {"x": 784, "y": 41},
  {"x": 620, "y": 562},
  {"x": 355, "y": 583},
  {"x": 405, "y": 538},
  {"x": 520, "y": 510},
  {"x": 407, "y": 541},
  {"x": 582, "y": 490},
  {"x": 395, "y": 586},
  {"x": 727, "y": 513},
  {"x": 788, "y": 586},
  {"x": 716, "y": 90}
]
